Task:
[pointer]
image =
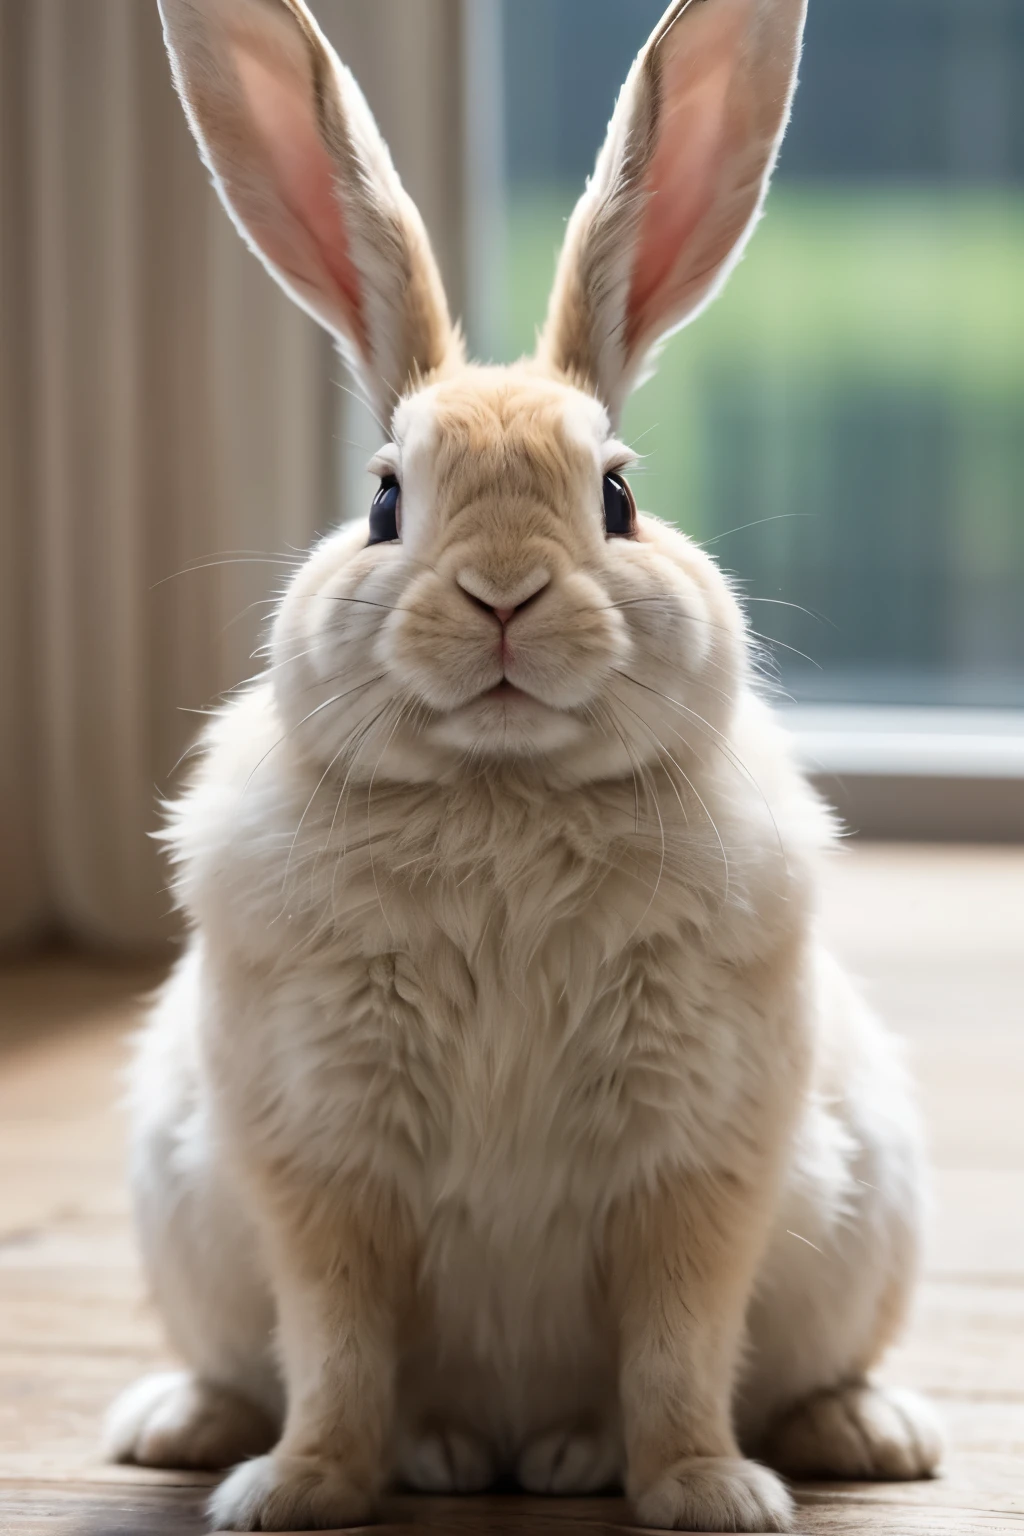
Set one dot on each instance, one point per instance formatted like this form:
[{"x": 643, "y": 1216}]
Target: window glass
[{"x": 845, "y": 427}]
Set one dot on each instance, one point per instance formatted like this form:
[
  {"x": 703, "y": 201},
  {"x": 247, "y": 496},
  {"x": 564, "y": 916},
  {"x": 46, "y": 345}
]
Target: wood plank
[
  {"x": 935, "y": 933},
  {"x": 167, "y": 1510}
]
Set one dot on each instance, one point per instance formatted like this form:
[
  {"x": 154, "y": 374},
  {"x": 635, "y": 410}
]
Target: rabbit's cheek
[
  {"x": 692, "y": 637},
  {"x": 430, "y": 649},
  {"x": 673, "y": 632},
  {"x": 565, "y": 656}
]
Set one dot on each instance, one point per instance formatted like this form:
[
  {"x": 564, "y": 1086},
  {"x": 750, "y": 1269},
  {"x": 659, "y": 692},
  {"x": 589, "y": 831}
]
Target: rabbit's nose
[{"x": 504, "y": 605}]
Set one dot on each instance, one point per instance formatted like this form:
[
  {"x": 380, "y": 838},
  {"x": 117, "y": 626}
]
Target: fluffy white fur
[{"x": 504, "y": 1112}]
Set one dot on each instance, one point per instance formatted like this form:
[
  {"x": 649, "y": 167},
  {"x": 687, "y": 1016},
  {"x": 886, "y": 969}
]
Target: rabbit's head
[{"x": 500, "y": 597}]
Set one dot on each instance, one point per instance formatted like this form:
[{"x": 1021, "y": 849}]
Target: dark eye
[
  {"x": 385, "y": 522},
  {"x": 619, "y": 508}
]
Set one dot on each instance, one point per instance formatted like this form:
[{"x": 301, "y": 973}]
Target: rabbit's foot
[
  {"x": 858, "y": 1432},
  {"x": 716, "y": 1493},
  {"x": 445, "y": 1461},
  {"x": 288, "y": 1493},
  {"x": 177, "y": 1420},
  {"x": 570, "y": 1461}
]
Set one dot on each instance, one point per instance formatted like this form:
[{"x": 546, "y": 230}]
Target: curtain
[{"x": 163, "y": 408}]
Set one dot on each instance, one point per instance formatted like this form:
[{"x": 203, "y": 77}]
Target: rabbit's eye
[
  {"x": 619, "y": 508},
  {"x": 385, "y": 513}
]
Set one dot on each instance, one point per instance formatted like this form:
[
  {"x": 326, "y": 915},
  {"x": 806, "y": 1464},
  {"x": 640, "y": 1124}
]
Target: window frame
[{"x": 917, "y": 772}]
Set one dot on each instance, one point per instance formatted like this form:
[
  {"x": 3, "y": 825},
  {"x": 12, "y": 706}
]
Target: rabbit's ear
[
  {"x": 678, "y": 186},
  {"x": 301, "y": 167}
]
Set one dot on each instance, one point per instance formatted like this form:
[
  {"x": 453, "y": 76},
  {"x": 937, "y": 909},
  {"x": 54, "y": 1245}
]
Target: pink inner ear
[
  {"x": 685, "y": 174},
  {"x": 313, "y": 246}
]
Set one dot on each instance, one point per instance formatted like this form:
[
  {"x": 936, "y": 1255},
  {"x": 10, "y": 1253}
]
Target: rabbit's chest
[{"x": 500, "y": 1084}]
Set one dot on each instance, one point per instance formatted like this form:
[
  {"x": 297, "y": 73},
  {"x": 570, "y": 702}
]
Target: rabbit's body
[
  {"x": 504, "y": 1113},
  {"x": 418, "y": 1020}
]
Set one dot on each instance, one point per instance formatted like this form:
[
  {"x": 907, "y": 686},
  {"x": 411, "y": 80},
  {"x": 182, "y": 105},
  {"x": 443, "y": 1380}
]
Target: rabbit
[{"x": 505, "y": 1114}]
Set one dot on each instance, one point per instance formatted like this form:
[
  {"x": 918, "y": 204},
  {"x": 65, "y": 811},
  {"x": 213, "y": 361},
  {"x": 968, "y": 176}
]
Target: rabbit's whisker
[
  {"x": 209, "y": 565},
  {"x": 361, "y": 731},
  {"x": 336, "y": 699},
  {"x": 758, "y": 522},
  {"x": 364, "y": 400},
  {"x": 768, "y": 640},
  {"x": 632, "y": 768},
  {"x": 778, "y": 602},
  {"x": 329, "y": 597},
  {"x": 716, "y": 739},
  {"x": 363, "y": 736},
  {"x": 645, "y": 433},
  {"x": 687, "y": 780},
  {"x": 648, "y": 780},
  {"x": 258, "y": 602},
  {"x": 302, "y": 818},
  {"x": 369, "y": 827},
  {"x": 635, "y": 602}
]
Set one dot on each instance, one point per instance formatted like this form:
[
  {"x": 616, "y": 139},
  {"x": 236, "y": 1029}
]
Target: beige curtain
[{"x": 162, "y": 408}]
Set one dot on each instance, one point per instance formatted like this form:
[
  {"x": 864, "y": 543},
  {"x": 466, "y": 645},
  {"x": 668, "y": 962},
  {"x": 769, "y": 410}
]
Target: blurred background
[
  {"x": 844, "y": 429},
  {"x": 858, "y": 396}
]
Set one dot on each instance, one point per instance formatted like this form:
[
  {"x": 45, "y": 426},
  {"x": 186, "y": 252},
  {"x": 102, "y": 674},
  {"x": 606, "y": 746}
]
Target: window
[{"x": 845, "y": 427}]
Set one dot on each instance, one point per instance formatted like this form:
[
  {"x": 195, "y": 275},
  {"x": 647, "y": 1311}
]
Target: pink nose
[{"x": 475, "y": 586}]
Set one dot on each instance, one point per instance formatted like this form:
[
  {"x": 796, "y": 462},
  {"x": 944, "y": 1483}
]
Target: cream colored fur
[{"x": 504, "y": 1112}]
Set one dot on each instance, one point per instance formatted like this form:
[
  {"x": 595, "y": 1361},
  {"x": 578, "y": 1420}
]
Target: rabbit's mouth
[
  {"x": 511, "y": 697},
  {"x": 505, "y": 720},
  {"x": 508, "y": 691}
]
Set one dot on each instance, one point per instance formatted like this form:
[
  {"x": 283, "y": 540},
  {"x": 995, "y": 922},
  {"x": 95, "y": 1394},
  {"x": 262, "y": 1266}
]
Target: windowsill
[
  {"x": 891, "y": 741},
  {"x": 917, "y": 774}
]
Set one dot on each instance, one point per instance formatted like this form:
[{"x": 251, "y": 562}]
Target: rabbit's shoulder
[{"x": 224, "y": 831}]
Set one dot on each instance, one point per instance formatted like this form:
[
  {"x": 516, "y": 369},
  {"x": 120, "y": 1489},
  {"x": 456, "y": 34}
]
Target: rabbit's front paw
[
  {"x": 716, "y": 1493},
  {"x": 288, "y": 1493},
  {"x": 174, "y": 1419}
]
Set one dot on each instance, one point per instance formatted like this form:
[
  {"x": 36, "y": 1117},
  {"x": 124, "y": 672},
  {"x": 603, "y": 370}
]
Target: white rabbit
[{"x": 504, "y": 1113}]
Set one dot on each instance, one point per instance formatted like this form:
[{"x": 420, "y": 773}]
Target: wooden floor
[{"x": 938, "y": 937}]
